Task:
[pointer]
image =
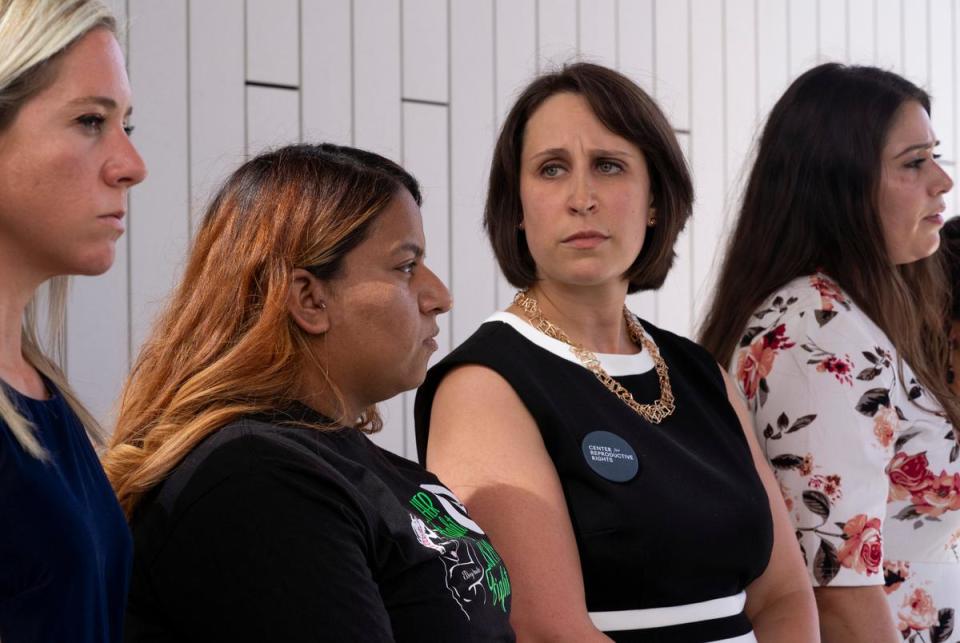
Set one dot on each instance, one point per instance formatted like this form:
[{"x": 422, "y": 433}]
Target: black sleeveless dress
[{"x": 665, "y": 516}]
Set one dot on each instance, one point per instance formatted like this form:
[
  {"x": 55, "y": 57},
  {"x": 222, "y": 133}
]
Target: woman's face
[
  {"x": 383, "y": 308},
  {"x": 66, "y": 164},
  {"x": 912, "y": 185},
  {"x": 585, "y": 194}
]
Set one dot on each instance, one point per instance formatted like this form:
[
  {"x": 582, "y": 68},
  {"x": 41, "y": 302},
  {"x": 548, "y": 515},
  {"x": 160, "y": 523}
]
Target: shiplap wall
[{"x": 427, "y": 83}]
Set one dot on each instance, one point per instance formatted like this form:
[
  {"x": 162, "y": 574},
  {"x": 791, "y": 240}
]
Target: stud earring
[{"x": 652, "y": 221}]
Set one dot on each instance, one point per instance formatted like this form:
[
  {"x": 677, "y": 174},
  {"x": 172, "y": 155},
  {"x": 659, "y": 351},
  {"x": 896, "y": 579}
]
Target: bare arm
[
  {"x": 780, "y": 602},
  {"x": 855, "y": 615},
  {"x": 485, "y": 446}
]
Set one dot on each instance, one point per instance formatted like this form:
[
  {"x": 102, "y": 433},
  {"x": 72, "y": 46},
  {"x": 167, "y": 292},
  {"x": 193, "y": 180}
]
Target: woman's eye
[
  {"x": 915, "y": 164},
  {"x": 128, "y": 129},
  {"x": 408, "y": 267},
  {"x": 92, "y": 122},
  {"x": 551, "y": 171},
  {"x": 609, "y": 167}
]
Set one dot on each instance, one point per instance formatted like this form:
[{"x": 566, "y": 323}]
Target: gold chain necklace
[{"x": 656, "y": 412}]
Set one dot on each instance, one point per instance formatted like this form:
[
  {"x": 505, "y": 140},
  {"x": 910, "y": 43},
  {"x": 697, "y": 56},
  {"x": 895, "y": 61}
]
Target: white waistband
[{"x": 674, "y": 615}]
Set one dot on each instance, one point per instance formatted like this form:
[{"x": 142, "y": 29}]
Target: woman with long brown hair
[
  {"x": 830, "y": 310},
  {"x": 606, "y": 456},
  {"x": 951, "y": 243},
  {"x": 66, "y": 163},
  {"x": 260, "y": 509}
]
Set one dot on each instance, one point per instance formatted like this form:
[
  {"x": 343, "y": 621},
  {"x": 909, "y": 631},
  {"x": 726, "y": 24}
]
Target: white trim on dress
[{"x": 614, "y": 364}]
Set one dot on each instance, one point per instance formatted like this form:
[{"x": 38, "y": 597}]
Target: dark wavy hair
[
  {"x": 627, "y": 111},
  {"x": 811, "y": 203}
]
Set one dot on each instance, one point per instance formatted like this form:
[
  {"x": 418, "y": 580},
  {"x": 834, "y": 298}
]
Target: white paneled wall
[{"x": 428, "y": 83}]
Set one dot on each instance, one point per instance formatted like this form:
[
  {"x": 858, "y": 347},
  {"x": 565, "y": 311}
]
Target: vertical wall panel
[
  {"x": 376, "y": 80},
  {"x": 832, "y": 16},
  {"x": 473, "y": 273},
  {"x": 273, "y": 41},
  {"x": 740, "y": 79},
  {"x": 598, "y": 31},
  {"x": 273, "y": 118},
  {"x": 425, "y": 50},
  {"x": 773, "y": 58},
  {"x": 672, "y": 60},
  {"x": 861, "y": 33},
  {"x": 889, "y": 35},
  {"x": 515, "y": 31},
  {"x": 675, "y": 298},
  {"x": 915, "y": 38},
  {"x": 425, "y": 154},
  {"x": 159, "y": 222},
  {"x": 707, "y": 123},
  {"x": 942, "y": 83},
  {"x": 217, "y": 100},
  {"x": 635, "y": 38},
  {"x": 326, "y": 90},
  {"x": 557, "y": 29},
  {"x": 804, "y": 40}
]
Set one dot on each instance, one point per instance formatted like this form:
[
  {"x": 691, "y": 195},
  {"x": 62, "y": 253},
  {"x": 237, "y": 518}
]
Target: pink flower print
[
  {"x": 918, "y": 612},
  {"x": 841, "y": 367},
  {"x": 862, "y": 549},
  {"x": 829, "y": 292},
  {"x": 885, "y": 423}
]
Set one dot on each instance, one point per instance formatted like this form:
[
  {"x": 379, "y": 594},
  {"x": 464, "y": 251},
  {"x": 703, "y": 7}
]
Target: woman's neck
[
  {"x": 15, "y": 293},
  {"x": 591, "y": 317}
]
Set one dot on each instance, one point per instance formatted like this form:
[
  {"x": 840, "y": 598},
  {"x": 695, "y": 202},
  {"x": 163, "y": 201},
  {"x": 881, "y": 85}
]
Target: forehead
[
  {"x": 91, "y": 66},
  {"x": 399, "y": 223},
  {"x": 910, "y": 126},
  {"x": 565, "y": 118}
]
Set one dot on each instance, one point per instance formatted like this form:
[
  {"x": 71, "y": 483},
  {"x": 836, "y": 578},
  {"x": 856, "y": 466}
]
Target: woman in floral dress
[{"x": 829, "y": 311}]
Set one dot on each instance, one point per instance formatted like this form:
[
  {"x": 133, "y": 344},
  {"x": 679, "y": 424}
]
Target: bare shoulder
[{"x": 481, "y": 432}]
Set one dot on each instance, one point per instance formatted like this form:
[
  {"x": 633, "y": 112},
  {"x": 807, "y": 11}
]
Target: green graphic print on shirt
[{"x": 473, "y": 570}]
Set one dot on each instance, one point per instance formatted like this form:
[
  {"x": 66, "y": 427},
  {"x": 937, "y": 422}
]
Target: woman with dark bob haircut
[
  {"x": 260, "y": 509},
  {"x": 830, "y": 311},
  {"x": 598, "y": 450}
]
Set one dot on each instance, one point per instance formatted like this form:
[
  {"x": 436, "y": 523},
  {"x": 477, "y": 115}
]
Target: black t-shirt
[
  {"x": 664, "y": 514},
  {"x": 270, "y": 531},
  {"x": 65, "y": 548}
]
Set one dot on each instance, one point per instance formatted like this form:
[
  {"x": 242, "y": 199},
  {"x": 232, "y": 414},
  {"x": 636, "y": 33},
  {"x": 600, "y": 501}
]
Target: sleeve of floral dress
[{"x": 817, "y": 382}]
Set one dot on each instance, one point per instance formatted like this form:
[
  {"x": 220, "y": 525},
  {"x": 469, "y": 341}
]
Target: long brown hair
[
  {"x": 225, "y": 345},
  {"x": 811, "y": 204},
  {"x": 34, "y": 35}
]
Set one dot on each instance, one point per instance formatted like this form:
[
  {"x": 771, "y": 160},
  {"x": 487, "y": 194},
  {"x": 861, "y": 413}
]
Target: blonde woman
[
  {"x": 66, "y": 163},
  {"x": 260, "y": 509}
]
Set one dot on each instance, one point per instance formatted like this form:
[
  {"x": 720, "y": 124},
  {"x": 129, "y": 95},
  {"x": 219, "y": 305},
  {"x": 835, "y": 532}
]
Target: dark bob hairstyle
[{"x": 627, "y": 111}]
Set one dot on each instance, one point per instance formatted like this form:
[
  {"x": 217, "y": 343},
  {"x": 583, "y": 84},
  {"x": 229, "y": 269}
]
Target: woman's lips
[
  {"x": 114, "y": 220},
  {"x": 585, "y": 240}
]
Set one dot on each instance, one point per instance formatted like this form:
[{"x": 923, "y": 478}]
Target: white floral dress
[{"x": 867, "y": 463}]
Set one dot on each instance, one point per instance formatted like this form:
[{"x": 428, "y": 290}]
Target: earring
[
  {"x": 520, "y": 226},
  {"x": 652, "y": 221}
]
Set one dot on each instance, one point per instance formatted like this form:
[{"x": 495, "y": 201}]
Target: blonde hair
[
  {"x": 33, "y": 35},
  {"x": 225, "y": 345}
]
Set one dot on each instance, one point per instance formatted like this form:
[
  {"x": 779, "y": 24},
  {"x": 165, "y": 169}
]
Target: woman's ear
[{"x": 306, "y": 302}]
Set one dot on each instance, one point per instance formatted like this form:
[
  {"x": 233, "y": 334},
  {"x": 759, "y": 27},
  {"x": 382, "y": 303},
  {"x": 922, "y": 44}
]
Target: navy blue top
[{"x": 65, "y": 549}]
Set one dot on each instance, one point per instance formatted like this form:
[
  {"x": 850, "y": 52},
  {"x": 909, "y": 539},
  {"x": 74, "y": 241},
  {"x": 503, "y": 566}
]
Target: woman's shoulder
[
  {"x": 814, "y": 307},
  {"x": 255, "y": 448}
]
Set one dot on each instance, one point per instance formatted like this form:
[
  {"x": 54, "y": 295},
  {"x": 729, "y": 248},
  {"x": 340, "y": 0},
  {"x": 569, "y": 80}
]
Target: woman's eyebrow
[
  {"x": 104, "y": 101},
  {"x": 918, "y": 146}
]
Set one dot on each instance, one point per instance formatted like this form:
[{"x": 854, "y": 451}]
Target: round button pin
[{"x": 610, "y": 456}]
